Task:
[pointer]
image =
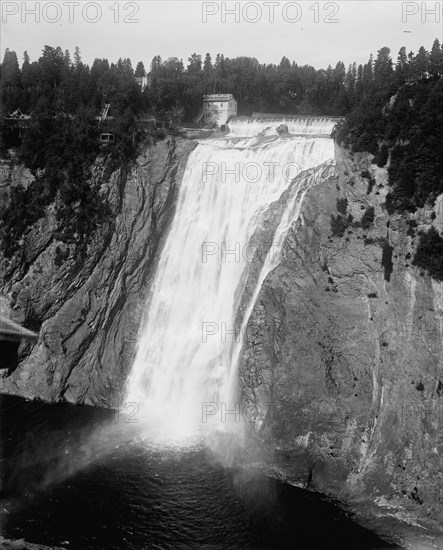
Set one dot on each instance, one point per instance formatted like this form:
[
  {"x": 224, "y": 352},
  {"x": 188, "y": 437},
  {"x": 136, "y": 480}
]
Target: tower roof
[{"x": 218, "y": 97}]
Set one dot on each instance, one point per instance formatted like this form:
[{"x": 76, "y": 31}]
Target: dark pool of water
[{"x": 80, "y": 478}]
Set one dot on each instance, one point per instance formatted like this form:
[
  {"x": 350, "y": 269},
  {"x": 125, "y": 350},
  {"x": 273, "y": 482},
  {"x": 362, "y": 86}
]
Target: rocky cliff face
[
  {"x": 341, "y": 375},
  {"x": 88, "y": 310}
]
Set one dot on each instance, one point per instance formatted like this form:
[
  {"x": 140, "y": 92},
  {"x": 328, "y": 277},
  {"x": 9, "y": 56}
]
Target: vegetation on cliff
[
  {"x": 398, "y": 118},
  {"x": 61, "y": 154},
  {"x": 398, "y": 114},
  {"x": 59, "y": 144},
  {"x": 429, "y": 255}
]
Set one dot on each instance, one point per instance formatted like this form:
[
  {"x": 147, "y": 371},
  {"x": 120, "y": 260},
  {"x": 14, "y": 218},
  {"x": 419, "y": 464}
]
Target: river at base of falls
[{"x": 80, "y": 478}]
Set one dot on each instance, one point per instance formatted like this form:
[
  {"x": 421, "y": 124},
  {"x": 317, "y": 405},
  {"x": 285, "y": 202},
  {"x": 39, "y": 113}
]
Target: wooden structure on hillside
[
  {"x": 217, "y": 110},
  {"x": 18, "y": 121},
  {"x": 104, "y": 121}
]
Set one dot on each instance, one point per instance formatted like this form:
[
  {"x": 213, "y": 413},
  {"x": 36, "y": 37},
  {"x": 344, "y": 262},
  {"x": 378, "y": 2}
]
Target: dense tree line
[
  {"x": 57, "y": 83},
  {"x": 65, "y": 95},
  {"x": 392, "y": 109},
  {"x": 283, "y": 88},
  {"x": 60, "y": 142},
  {"x": 399, "y": 117},
  {"x": 62, "y": 169}
]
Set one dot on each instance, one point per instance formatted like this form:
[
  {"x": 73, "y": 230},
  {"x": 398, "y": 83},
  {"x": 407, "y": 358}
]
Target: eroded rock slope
[
  {"x": 88, "y": 311},
  {"x": 341, "y": 376}
]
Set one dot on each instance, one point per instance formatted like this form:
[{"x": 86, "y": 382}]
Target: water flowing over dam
[{"x": 184, "y": 378}]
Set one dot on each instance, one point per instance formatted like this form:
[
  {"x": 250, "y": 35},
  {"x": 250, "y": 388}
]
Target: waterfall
[
  {"x": 185, "y": 370},
  {"x": 250, "y": 127}
]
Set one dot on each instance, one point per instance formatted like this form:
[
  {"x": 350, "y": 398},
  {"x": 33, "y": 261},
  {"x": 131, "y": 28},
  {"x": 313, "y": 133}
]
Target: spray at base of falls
[{"x": 184, "y": 377}]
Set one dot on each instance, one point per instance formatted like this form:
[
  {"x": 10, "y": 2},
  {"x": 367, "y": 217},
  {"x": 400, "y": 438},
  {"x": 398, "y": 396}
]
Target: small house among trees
[
  {"x": 142, "y": 81},
  {"x": 141, "y": 77}
]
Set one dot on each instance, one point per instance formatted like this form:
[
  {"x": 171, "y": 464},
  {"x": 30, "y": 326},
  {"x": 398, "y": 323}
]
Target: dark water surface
[{"x": 79, "y": 477}]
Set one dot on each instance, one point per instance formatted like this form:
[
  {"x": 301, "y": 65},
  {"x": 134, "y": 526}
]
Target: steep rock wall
[
  {"x": 88, "y": 310},
  {"x": 341, "y": 373}
]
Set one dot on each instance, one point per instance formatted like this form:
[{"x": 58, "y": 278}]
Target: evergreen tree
[
  {"x": 26, "y": 60},
  {"x": 140, "y": 70},
  {"x": 436, "y": 59},
  {"x": 359, "y": 82},
  {"x": 368, "y": 74},
  {"x": 52, "y": 65},
  {"x": 10, "y": 82},
  {"x": 173, "y": 67},
  {"x": 383, "y": 68},
  {"x": 285, "y": 63},
  {"x": 156, "y": 65},
  {"x": 422, "y": 63},
  {"x": 401, "y": 67},
  {"x": 411, "y": 72},
  {"x": 207, "y": 66},
  {"x": 10, "y": 69},
  {"x": 195, "y": 64},
  {"x": 27, "y": 79},
  {"x": 67, "y": 59},
  {"x": 77, "y": 57}
]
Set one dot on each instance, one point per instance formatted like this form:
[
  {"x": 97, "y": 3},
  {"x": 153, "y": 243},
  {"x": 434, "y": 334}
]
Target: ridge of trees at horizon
[{"x": 55, "y": 81}]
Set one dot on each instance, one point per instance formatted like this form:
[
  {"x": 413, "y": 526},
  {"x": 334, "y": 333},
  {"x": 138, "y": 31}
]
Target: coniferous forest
[{"x": 392, "y": 105}]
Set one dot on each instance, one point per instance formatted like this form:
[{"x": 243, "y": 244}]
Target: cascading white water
[
  {"x": 186, "y": 363},
  {"x": 303, "y": 125}
]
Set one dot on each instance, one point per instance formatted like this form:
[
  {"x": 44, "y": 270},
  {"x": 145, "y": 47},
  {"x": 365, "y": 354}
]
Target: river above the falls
[{"x": 81, "y": 478}]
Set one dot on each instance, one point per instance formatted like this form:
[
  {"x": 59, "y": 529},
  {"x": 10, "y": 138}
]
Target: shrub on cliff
[
  {"x": 429, "y": 254},
  {"x": 383, "y": 155},
  {"x": 412, "y": 224},
  {"x": 368, "y": 218},
  {"x": 386, "y": 260},
  {"x": 371, "y": 181},
  {"x": 342, "y": 205},
  {"x": 339, "y": 224}
]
